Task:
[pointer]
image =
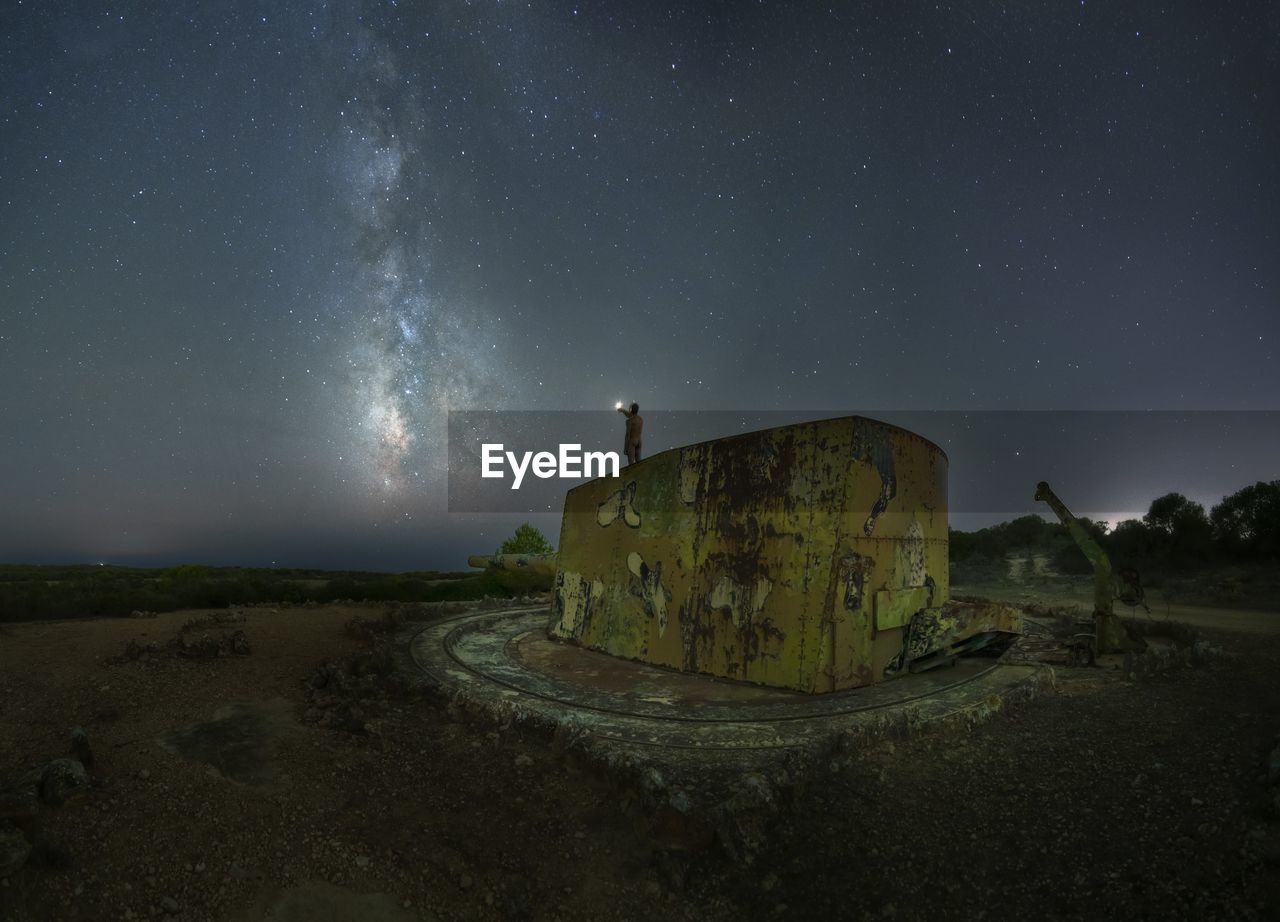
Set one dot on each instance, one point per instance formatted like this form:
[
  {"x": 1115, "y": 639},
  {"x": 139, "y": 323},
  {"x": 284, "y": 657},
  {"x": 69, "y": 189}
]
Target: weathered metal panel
[
  {"x": 760, "y": 557},
  {"x": 894, "y": 607}
]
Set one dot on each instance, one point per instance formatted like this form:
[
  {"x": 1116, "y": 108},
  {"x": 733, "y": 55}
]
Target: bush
[
  {"x": 34, "y": 593},
  {"x": 1248, "y": 521},
  {"x": 526, "y": 540}
]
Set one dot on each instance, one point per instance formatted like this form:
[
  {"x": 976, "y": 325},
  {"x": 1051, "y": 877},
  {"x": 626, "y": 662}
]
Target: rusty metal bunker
[{"x": 810, "y": 557}]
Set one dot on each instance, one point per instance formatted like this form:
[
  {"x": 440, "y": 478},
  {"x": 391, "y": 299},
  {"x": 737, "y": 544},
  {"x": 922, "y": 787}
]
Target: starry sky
[{"x": 252, "y": 254}]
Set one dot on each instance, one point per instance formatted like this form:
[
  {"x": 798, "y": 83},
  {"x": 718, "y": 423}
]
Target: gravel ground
[
  {"x": 1128, "y": 800},
  {"x": 1106, "y": 800}
]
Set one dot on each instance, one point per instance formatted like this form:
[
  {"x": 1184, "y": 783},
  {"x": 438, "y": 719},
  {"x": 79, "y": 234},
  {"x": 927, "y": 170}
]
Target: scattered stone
[
  {"x": 742, "y": 821},
  {"x": 19, "y": 802},
  {"x": 80, "y": 749},
  {"x": 465, "y": 881},
  {"x": 523, "y": 759},
  {"x": 214, "y": 619},
  {"x": 211, "y": 646},
  {"x": 1273, "y": 765},
  {"x": 49, "y": 855},
  {"x": 134, "y": 651},
  {"x": 356, "y": 689},
  {"x": 364, "y": 629},
  {"x": 170, "y": 905},
  {"x": 61, "y": 780},
  {"x": 240, "y": 872},
  {"x": 314, "y": 899},
  {"x": 14, "y": 848},
  {"x": 240, "y": 644}
]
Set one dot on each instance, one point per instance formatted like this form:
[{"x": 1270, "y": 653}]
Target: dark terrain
[{"x": 1106, "y": 798}]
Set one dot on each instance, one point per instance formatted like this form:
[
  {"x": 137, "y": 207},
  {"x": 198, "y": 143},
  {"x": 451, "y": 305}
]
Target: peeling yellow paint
[
  {"x": 760, "y": 557},
  {"x": 619, "y": 505}
]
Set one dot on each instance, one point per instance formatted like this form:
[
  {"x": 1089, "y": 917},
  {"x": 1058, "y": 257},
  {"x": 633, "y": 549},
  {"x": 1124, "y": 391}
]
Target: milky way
[
  {"x": 416, "y": 352},
  {"x": 252, "y": 254}
]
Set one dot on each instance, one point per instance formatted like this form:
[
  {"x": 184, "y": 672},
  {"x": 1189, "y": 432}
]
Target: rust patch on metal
[
  {"x": 851, "y": 573},
  {"x": 873, "y": 446},
  {"x": 647, "y": 585},
  {"x": 620, "y": 505},
  {"x": 766, "y": 551}
]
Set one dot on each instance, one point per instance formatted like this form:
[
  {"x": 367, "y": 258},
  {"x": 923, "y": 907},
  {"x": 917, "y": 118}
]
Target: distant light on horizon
[
  {"x": 334, "y": 236},
  {"x": 1112, "y": 519},
  {"x": 975, "y": 521}
]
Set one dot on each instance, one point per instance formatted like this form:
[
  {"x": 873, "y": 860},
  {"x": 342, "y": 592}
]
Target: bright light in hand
[{"x": 618, "y": 405}]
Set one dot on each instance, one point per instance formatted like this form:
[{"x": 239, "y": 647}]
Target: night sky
[{"x": 252, "y": 253}]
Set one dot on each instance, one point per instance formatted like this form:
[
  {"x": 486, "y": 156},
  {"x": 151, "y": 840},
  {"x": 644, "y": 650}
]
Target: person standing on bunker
[{"x": 634, "y": 426}]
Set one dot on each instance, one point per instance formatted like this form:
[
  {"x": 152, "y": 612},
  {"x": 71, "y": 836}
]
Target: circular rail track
[{"x": 504, "y": 662}]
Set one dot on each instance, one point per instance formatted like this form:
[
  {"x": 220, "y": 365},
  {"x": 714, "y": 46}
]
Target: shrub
[{"x": 526, "y": 540}]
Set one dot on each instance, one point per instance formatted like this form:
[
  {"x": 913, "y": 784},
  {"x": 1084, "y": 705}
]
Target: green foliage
[
  {"x": 1177, "y": 531},
  {"x": 32, "y": 592},
  {"x": 1026, "y": 532},
  {"x": 1248, "y": 521},
  {"x": 1069, "y": 559},
  {"x": 526, "y": 540},
  {"x": 1173, "y": 512},
  {"x": 493, "y": 583},
  {"x": 1133, "y": 541},
  {"x": 962, "y": 544},
  {"x": 1030, "y": 532},
  {"x": 1174, "y": 537}
]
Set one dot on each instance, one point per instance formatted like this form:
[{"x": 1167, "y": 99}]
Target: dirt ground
[
  {"x": 1106, "y": 798},
  {"x": 1077, "y": 593}
]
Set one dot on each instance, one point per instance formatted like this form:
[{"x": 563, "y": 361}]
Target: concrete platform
[
  {"x": 504, "y": 663},
  {"x": 705, "y": 759}
]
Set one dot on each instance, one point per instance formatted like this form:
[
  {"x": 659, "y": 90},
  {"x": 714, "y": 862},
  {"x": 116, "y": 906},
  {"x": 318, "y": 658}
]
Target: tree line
[
  {"x": 1175, "y": 534},
  {"x": 36, "y": 592}
]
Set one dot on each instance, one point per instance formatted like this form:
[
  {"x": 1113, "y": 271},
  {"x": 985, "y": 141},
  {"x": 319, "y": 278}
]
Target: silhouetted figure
[{"x": 634, "y": 426}]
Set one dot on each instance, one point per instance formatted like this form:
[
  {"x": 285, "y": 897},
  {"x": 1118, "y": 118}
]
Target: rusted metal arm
[
  {"x": 1110, "y": 635},
  {"x": 1102, "y": 581}
]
